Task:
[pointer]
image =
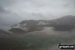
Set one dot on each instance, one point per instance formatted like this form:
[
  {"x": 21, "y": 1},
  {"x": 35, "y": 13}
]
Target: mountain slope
[{"x": 66, "y": 23}]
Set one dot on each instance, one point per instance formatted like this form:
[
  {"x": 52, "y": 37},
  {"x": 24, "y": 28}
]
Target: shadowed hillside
[{"x": 66, "y": 23}]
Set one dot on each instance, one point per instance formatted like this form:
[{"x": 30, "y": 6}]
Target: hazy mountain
[
  {"x": 66, "y": 23},
  {"x": 28, "y": 26}
]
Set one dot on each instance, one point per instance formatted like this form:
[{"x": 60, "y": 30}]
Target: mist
[{"x": 15, "y": 11}]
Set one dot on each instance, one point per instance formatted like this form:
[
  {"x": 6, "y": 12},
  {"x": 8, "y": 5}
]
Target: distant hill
[
  {"x": 66, "y": 23},
  {"x": 28, "y": 26},
  {"x": 4, "y": 34}
]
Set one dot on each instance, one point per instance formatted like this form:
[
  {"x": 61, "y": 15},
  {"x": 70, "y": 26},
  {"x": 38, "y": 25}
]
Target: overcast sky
[{"x": 12, "y": 11}]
